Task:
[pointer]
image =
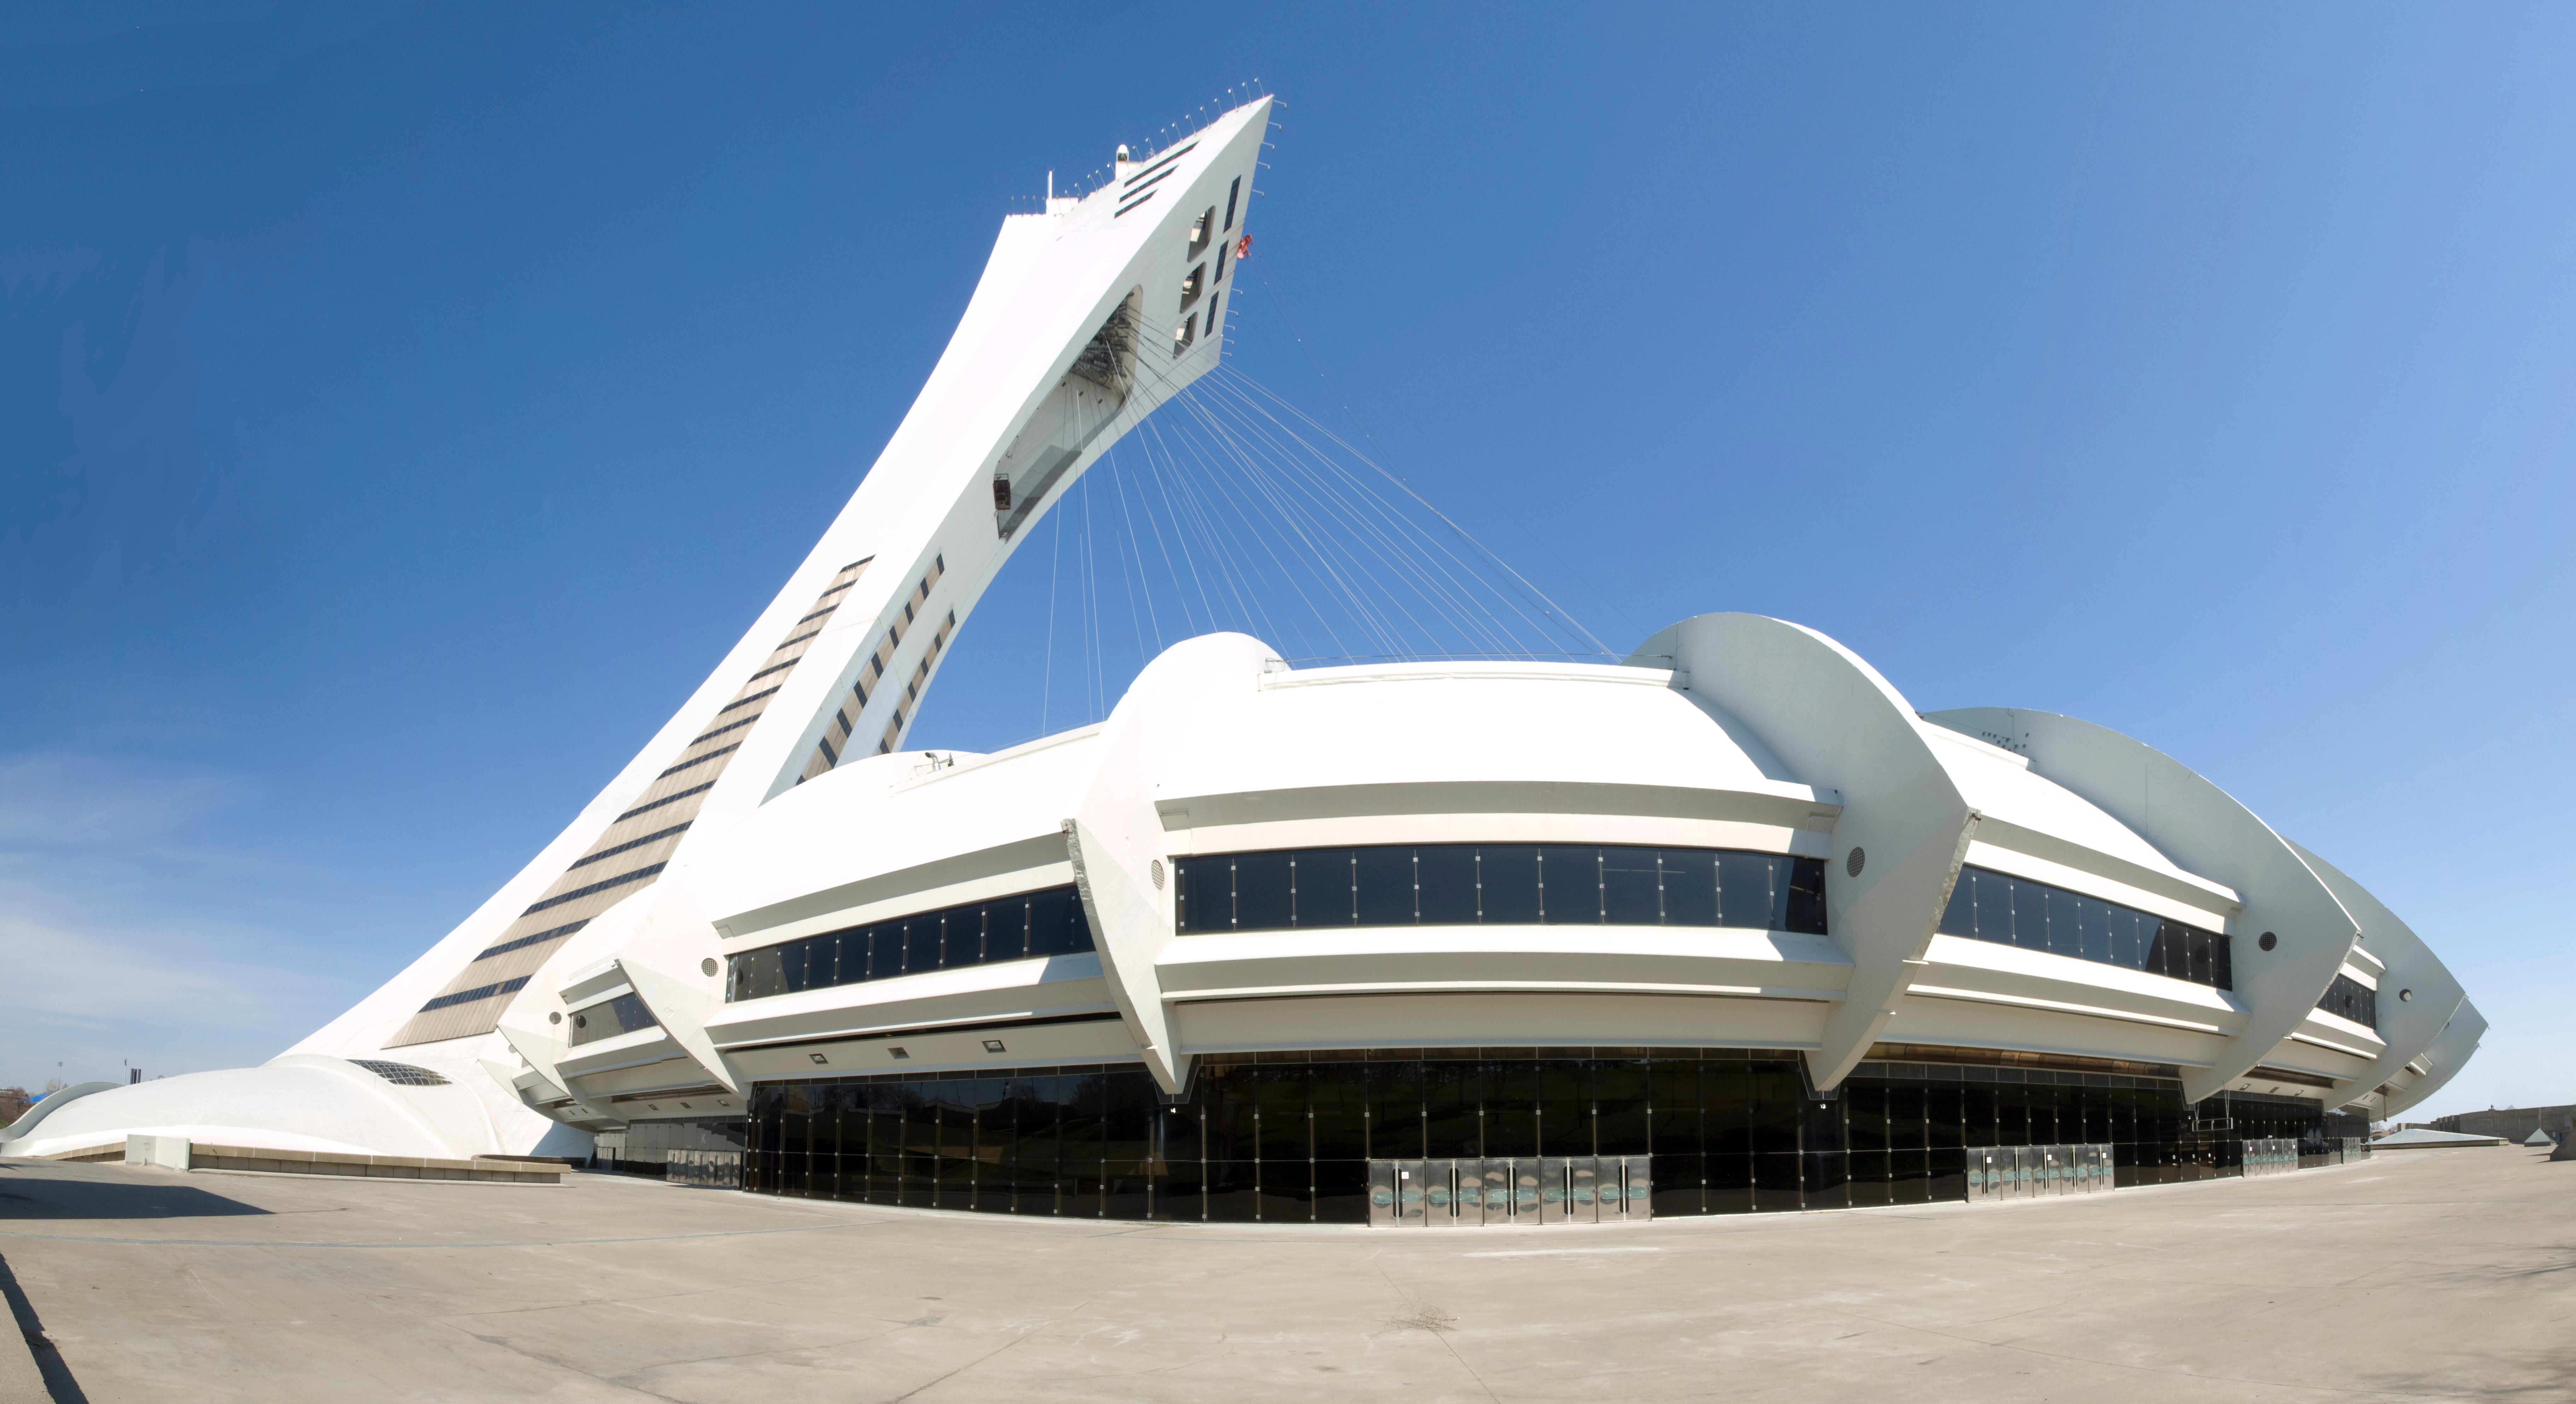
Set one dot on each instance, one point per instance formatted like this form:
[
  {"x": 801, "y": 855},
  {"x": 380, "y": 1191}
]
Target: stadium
[{"x": 1718, "y": 924}]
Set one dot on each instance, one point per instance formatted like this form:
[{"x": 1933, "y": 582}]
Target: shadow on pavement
[
  {"x": 25, "y": 1197},
  {"x": 59, "y": 1384}
]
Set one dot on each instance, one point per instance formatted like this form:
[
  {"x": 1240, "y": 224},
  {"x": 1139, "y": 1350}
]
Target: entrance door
[
  {"x": 1590, "y": 1195},
  {"x": 1521, "y": 1192}
]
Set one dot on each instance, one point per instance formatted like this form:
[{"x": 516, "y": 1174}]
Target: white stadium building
[{"x": 1724, "y": 926}]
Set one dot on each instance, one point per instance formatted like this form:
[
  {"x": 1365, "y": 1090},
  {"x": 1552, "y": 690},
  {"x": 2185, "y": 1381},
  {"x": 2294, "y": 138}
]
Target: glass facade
[
  {"x": 2353, "y": 1000},
  {"x": 1024, "y": 926},
  {"x": 1287, "y": 1137},
  {"x": 1516, "y": 884},
  {"x": 1990, "y": 906}
]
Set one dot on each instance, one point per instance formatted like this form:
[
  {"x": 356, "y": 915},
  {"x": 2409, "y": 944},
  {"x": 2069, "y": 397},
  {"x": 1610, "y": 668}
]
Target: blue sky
[{"x": 401, "y": 407}]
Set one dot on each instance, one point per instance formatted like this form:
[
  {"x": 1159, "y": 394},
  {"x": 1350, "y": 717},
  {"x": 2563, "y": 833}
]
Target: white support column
[
  {"x": 1904, "y": 828},
  {"x": 2417, "y": 994},
  {"x": 1115, "y": 836},
  {"x": 2444, "y": 1059},
  {"x": 2202, "y": 828}
]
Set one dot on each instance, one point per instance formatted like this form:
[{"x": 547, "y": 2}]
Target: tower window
[
  {"x": 1193, "y": 285},
  {"x": 1201, "y": 231},
  {"x": 1185, "y": 333},
  {"x": 1232, "y": 193},
  {"x": 1222, "y": 250},
  {"x": 1213, "y": 304}
]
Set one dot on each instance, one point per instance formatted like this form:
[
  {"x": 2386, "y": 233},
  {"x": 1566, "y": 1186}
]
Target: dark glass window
[
  {"x": 1569, "y": 884},
  {"x": 2353, "y": 1000},
  {"x": 1990, "y": 906},
  {"x": 1690, "y": 887},
  {"x": 1385, "y": 878},
  {"x": 1324, "y": 887},
  {"x": 1261, "y": 888},
  {"x": 1444, "y": 881},
  {"x": 624, "y": 1014},
  {"x": 1503, "y": 884},
  {"x": 1746, "y": 884},
  {"x": 1508, "y": 878},
  {"x": 1043, "y": 923},
  {"x": 1285, "y": 1137},
  {"x": 1632, "y": 888}
]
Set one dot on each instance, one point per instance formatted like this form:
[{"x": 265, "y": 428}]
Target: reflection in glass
[
  {"x": 1290, "y": 1140},
  {"x": 1497, "y": 885},
  {"x": 2012, "y": 911}
]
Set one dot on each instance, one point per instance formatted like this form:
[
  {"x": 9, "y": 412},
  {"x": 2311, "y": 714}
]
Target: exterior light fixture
[
  {"x": 818, "y": 1058},
  {"x": 2267, "y": 941},
  {"x": 707, "y": 966},
  {"x": 555, "y": 1018},
  {"x": 994, "y": 1045},
  {"x": 897, "y": 1053}
]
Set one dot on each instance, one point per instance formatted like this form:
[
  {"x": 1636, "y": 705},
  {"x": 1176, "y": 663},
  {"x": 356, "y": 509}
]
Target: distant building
[
  {"x": 2423, "y": 1139},
  {"x": 2512, "y": 1123}
]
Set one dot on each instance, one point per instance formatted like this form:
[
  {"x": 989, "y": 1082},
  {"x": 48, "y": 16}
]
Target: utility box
[{"x": 168, "y": 1152}]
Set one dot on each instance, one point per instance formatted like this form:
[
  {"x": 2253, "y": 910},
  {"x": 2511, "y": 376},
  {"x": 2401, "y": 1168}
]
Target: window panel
[
  {"x": 1569, "y": 884},
  {"x": 1990, "y": 906},
  {"x": 1282, "y": 1102},
  {"x": 1452, "y": 1097},
  {"x": 1339, "y": 1100},
  {"x": 1261, "y": 901},
  {"x": 1690, "y": 887},
  {"x": 1679, "y": 1115},
  {"x": 1444, "y": 876},
  {"x": 1048, "y": 922},
  {"x": 1565, "y": 1107},
  {"x": 1866, "y": 1106},
  {"x": 2093, "y": 928},
  {"x": 1509, "y": 1102},
  {"x": 1056, "y": 923},
  {"x": 1744, "y": 883},
  {"x": 1324, "y": 887},
  {"x": 1006, "y": 929},
  {"x": 1385, "y": 886},
  {"x": 1507, "y": 883},
  {"x": 1202, "y": 894},
  {"x": 1806, "y": 905},
  {"x": 1395, "y": 1110},
  {"x": 2065, "y": 925},
  {"x": 2030, "y": 916},
  {"x": 1623, "y": 1098},
  {"x": 964, "y": 942},
  {"x": 2351, "y": 999},
  {"x": 1631, "y": 887}
]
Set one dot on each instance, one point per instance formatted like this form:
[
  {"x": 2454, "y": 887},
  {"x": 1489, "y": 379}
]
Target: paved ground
[{"x": 2427, "y": 1274}]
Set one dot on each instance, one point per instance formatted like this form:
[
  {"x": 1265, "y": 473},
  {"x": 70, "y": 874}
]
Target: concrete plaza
[{"x": 2430, "y": 1275}]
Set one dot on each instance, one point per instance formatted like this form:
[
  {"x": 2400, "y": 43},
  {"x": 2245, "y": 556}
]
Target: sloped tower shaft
[{"x": 1087, "y": 318}]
